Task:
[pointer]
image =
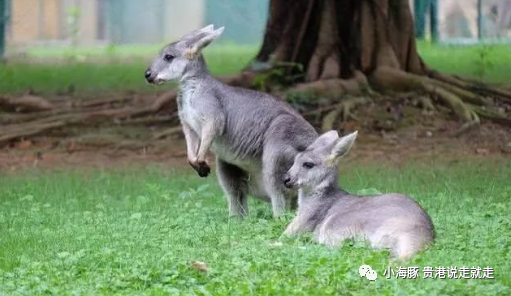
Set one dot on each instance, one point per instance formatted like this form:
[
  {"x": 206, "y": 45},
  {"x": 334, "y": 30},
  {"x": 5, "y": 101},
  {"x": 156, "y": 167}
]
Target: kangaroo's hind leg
[
  {"x": 276, "y": 162},
  {"x": 234, "y": 183}
]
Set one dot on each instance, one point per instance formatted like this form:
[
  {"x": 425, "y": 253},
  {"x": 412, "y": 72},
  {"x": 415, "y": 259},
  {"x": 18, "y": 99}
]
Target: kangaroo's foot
[{"x": 201, "y": 167}]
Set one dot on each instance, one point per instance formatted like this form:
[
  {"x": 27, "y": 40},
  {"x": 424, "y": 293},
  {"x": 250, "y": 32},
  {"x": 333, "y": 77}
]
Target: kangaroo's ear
[
  {"x": 194, "y": 33},
  {"x": 341, "y": 147},
  {"x": 324, "y": 140},
  {"x": 201, "y": 40}
]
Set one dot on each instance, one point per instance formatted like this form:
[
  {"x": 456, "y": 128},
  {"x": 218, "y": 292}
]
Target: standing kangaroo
[
  {"x": 254, "y": 136},
  {"x": 389, "y": 220}
]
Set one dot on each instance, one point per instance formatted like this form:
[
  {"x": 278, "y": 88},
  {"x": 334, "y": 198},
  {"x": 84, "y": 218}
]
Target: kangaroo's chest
[{"x": 189, "y": 109}]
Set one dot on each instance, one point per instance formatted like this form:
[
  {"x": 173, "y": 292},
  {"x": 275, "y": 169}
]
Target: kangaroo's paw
[{"x": 203, "y": 169}]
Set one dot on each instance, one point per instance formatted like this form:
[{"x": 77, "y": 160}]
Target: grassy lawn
[
  {"x": 136, "y": 232},
  {"x": 93, "y": 70},
  {"x": 488, "y": 63},
  {"x": 114, "y": 68}
]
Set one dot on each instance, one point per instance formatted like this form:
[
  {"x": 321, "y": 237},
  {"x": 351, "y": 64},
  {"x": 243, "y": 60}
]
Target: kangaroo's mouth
[
  {"x": 155, "y": 81},
  {"x": 288, "y": 183}
]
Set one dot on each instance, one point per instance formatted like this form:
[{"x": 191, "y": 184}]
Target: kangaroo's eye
[
  {"x": 168, "y": 57},
  {"x": 308, "y": 165}
]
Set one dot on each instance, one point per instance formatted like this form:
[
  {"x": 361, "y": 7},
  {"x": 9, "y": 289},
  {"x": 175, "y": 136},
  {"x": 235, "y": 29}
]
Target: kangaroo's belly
[
  {"x": 252, "y": 166},
  {"x": 227, "y": 148}
]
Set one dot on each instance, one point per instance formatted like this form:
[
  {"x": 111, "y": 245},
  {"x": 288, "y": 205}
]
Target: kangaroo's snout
[
  {"x": 149, "y": 75},
  {"x": 287, "y": 181}
]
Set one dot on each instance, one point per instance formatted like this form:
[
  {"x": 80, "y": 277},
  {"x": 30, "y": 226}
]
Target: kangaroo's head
[
  {"x": 181, "y": 57},
  {"x": 319, "y": 162}
]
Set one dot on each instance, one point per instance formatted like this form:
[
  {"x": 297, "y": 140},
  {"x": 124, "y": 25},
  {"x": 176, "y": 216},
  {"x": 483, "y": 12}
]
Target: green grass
[
  {"x": 488, "y": 63},
  {"x": 135, "y": 233},
  {"x": 94, "y": 70},
  {"x": 118, "y": 68}
]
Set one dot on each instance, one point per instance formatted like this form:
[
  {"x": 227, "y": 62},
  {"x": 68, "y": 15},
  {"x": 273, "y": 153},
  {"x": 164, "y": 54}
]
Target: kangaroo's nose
[
  {"x": 147, "y": 73},
  {"x": 287, "y": 182},
  {"x": 149, "y": 76}
]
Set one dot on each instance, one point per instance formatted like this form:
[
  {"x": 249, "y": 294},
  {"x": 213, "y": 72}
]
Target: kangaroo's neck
[
  {"x": 195, "y": 73},
  {"x": 328, "y": 189},
  {"x": 315, "y": 202},
  {"x": 323, "y": 190}
]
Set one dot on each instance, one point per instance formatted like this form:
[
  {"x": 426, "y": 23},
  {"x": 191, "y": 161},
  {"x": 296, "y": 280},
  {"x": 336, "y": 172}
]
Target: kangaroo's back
[
  {"x": 392, "y": 221},
  {"x": 254, "y": 118}
]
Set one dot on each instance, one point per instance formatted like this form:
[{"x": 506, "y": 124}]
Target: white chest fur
[{"x": 188, "y": 105}]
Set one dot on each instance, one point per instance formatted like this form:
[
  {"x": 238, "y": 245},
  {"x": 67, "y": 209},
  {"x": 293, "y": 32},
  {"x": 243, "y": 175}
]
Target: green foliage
[
  {"x": 135, "y": 233},
  {"x": 302, "y": 101},
  {"x": 73, "y": 19},
  {"x": 484, "y": 63},
  {"x": 280, "y": 75}
]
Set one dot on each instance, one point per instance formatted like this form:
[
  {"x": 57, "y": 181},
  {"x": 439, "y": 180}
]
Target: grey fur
[
  {"x": 254, "y": 135},
  {"x": 392, "y": 220}
]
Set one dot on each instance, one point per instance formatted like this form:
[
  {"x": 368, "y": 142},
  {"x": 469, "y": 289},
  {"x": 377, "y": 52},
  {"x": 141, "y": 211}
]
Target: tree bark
[
  {"x": 345, "y": 46},
  {"x": 333, "y": 38}
]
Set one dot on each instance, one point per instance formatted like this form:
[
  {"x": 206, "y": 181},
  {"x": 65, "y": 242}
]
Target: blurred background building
[
  {"x": 463, "y": 21},
  {"x": 101, "y": 22},
  {"x": 92, "y": 22}
]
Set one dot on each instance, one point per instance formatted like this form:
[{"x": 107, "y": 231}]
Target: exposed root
[
  {"x": 426, "y": 103},
  {"x": 28, "y": 131},
  {"x": 480, "y": 88},
  {"x": 102, "y": 102},
  {"x": 465, "y": 95},
  {"x": 168, "y": 133},
  {"x": 467, "y": 126},
  {"x": 26, "y": 103},
  {"x": 335, "y": 88},
  {"x": 454, "y": 102},
  {"x": 150, "y": 120},
  {"x": 493, "y": 115},
  {"x": 343, "y": 110},
  {"x": 396, "y": 80},
  {"x": 51, "y": 122}
]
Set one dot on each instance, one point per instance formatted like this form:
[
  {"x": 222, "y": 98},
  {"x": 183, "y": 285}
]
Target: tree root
[
  {"x": 493, "y": 115},
  {"x": 150, "y": 120},
  {"x": 168, "y": 133},
  {"x": 26, "y": 103},
  {"x": 87, "y": 116},
  {"x": 474, "y": 87},
  {"x": 426, "y": 103},
  {"x": 454, "y": 102},
  {"x": 31, "y": 130},
  {"x": 358, "y": 85},
  {"x": 342, "y": 109},
  {"x": 397, "y": 80},
  {"x": 466, "y": 96},
  {"x": 467, "y": 126}
]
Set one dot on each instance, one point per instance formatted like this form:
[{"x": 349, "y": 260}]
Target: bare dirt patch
[
  {"x": 394, "y": 131},
  {"x": 411, "y": 144}
]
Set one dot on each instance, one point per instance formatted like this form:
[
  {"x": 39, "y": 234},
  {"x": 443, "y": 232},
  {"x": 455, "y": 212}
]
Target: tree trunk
[
  {"x": 334, "y": 38},
  {"x": 352, "y": 46}
]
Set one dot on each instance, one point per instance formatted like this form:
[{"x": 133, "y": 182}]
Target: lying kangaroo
[
  {"x": 254, "y": 136},
  {"x": 389, "y": 220}
]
